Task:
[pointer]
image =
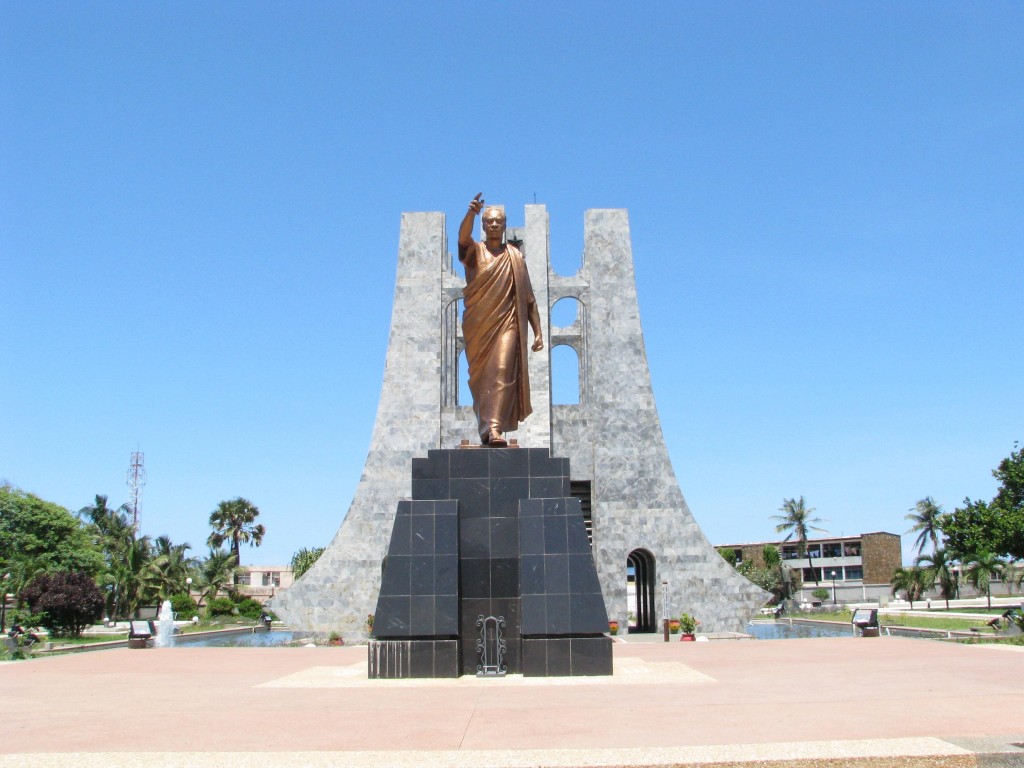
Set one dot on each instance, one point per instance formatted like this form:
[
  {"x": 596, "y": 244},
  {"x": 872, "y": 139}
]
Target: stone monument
[{"x": 651, "y": 557}]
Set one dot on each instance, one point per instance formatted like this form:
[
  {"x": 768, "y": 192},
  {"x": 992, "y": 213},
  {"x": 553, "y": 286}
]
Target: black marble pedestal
[{"x": 491, "y": 558}]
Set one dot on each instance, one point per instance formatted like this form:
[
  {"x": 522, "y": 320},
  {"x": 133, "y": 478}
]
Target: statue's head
[{"x": 493, "y": 220}]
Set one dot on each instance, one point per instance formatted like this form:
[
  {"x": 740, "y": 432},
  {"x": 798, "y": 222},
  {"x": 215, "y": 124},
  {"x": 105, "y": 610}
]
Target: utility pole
[{"x": 136, "y": 479}]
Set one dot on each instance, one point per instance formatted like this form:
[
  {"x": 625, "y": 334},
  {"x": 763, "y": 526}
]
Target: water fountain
[{"x": 165, "y": 626}]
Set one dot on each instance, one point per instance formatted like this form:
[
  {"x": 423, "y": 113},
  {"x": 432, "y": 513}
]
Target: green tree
[
  {"x": 979, "y": 570},
  {"x": 135, "y": 579},
  {"x": 926, "y": 517},
  {"x": 913, "y": 581},
  {"x": 235, "y": 522},
  {"x": 128, "y": 577},
  {"x": 215, "y": 573},
  {"x": 773, "y": 559},
  {"x": 996, "y": 526},
  {"x": 797, "y": 521},
  {"x": 68, "y": 602},
  {"x": 303, "y": 560},
  {"x": 172, "y": 567},
  {"x": 938, "y": 567},
  {"x": 38, "y": 536}
]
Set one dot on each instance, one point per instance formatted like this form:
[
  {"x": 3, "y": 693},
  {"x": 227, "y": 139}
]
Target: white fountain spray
[{"x": 165, "y": 629}]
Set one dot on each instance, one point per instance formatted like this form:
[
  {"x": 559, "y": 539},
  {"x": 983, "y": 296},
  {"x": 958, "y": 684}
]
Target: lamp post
[
  {"x": 3, "y": 603},
  {"x": 188, "y": 586},
  {"x": 833, "y": 586},
  {"x": 664, "y": 607}
]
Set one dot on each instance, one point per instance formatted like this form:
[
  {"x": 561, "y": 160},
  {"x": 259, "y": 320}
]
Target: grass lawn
[{"x": 896, "y": 620}]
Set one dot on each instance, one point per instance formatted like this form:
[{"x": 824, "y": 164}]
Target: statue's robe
[{"x": 494, "y": 326}]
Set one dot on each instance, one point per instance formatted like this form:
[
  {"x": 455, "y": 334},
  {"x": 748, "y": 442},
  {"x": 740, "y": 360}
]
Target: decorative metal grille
[{"x": 491, "y": 647}]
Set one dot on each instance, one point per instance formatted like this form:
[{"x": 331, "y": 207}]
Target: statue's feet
[{"x": 495, "y": 440}]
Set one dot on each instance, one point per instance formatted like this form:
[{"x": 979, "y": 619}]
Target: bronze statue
[{"x": 499, "y": 302}]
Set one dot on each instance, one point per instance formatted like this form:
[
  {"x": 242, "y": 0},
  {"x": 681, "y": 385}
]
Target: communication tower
[{"x": 136, "y": 479}]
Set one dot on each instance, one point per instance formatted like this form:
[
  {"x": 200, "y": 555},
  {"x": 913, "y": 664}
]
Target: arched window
[
  {"x": 641, "y": 592},
  {"x": 565, "y": 376},
  {"x": 565, "y": 311}
]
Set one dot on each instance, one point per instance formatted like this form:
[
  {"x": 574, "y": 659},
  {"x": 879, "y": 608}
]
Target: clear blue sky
[{"x": 199, "y": 219}]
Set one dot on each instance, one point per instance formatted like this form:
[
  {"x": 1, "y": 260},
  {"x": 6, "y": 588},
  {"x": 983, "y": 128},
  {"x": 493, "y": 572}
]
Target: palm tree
[
  {"x": 172, "y": 566},
  {"x": 927, "y": 518},
  {"x": 798, "y": 522},
  {"x": 235, "y": 521},
  {"x": 133, "y": 580},
  {"x": 303, "y": 560},
  {"x": 980, "y": 570},
  {"x": 939, "y": 568},
  {"x": 913, "y": 581},
  {"x": 216, "y": 572}
]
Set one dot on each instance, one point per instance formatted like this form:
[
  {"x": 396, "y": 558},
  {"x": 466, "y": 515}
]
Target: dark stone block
[
  {"x": 421, "y": 659},
  {"x": 534, "y": 619},
  {"x": 556, "y": 575},
  {"x": 534, "y": 657},
  {"x": 401, "y": 534},
  {"x": 558, "y": 622},
  {"x": 397, "y": 576},
  {"x": 469, "y": 463},
  {"x": 591, "y": 655},
  {"x": 422, "y": 575},
  {"x": 530, "y": 508},
  {"x": 531, "y": 535},
  {"x": 446, "y": 575},
  {"x": 504, "y": 577},
  {"x": 475, "y": 578},
  {"x": 422, "y": 541},
  {"x": 446, "y": 534},
  {"x": 542, "y": 465},
  {"x": 583, "y": 574},
  {"x": 429, "y": 488},
  {"x": 421, "y": 616},
  {"x": 474, "y": 538},
  {"x": 546, "y": 488},
  {"x": 473, "y": 496},
  {"x": 506, "y": 493},
  {"x": 504, "y": 537},
  {"x": 589, "y": 615},
  {"x": 435, "y": 465},
  {"x": 391, "y": 619},
  {"x": 531, "y": 575},
  {"x": 555, "y": 535},
  {"x": 446, "y": 615},
  {"x": 559, "y": 657},
  {"x": 446, "y": 658},
  {"x": 509, "y": 462}
]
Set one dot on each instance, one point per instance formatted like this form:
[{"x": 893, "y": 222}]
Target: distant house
[
  {"x": 262, "y": 582},
  {"x": 860, "y": 566}
]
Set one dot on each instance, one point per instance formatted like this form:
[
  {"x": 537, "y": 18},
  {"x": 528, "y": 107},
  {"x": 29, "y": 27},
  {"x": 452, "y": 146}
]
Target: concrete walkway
[{"x": 825, "y": 701}]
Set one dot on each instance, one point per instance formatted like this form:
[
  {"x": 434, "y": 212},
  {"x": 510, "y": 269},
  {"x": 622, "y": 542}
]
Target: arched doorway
[{"x": 642, "y": 577}]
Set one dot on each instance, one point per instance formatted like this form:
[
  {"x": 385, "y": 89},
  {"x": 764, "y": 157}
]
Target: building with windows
[
  {"x": 858, "y": 567},
  {"x": 262, "y": 582}
]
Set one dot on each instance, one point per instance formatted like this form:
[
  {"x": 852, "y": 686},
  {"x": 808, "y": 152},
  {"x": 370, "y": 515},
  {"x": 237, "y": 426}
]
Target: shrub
[
  {"x": 821, "y": 594},
  {"x": 220, "y": 606},
  {"x": 69, "y": 602},
  {"x": 251, "y": 609},
  {"x": 184, "y": 606}
]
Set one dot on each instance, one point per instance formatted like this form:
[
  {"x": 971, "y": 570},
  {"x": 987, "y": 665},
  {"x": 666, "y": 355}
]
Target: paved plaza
[{"x": 843, "y": 701}]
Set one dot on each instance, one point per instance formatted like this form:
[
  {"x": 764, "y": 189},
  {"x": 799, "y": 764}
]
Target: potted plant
[
  {"x": 335, "y": 639},
  {"x": 613, "y": 626},
  {"x": 687, "y": 625},
  {"x": 369, "y": 623},
  {"x": 673, "y": 626}
]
